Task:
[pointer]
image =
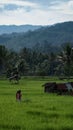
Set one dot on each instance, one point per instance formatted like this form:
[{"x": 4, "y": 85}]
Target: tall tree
[
  {"x": 66, "y": 59},
  {"x": 3, "y": 58}
]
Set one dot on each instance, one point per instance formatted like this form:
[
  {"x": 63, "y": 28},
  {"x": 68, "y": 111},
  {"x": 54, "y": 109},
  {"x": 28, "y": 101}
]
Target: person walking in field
[{"x": 18, "y": 95}]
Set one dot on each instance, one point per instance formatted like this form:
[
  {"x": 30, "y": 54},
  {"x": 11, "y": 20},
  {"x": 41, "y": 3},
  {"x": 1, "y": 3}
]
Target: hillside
[
  {"x": 44, "y": 38},
  {"x": 7, "y": 29}
]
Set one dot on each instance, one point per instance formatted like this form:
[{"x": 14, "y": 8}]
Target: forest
[{"x": 30, "y": 62}]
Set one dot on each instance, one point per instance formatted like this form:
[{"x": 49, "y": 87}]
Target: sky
[{"x": 35, "y": 12}]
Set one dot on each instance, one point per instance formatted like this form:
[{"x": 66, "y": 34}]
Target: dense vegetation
[
  {"x": 37, "y": 110},
  {"x": 39, "y": 52},
  {"x": 30, "y": 62}
]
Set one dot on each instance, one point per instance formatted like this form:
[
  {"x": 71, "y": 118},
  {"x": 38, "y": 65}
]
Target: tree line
[{"x": 30, "y": 62}]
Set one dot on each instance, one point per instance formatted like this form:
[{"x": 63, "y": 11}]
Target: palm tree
[{"x": 66, "y": 58}]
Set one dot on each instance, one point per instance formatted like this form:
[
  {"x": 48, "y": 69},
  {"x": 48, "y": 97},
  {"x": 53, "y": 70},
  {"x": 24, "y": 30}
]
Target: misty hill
[
  {"x": 45, "y": 39},
  {"x": 7, "y": 29}
]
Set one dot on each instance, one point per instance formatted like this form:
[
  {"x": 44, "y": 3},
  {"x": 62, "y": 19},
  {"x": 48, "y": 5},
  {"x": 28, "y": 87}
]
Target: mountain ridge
[
  {"x": 8, "y": 29},
  {"x": 40, "y": 39}
]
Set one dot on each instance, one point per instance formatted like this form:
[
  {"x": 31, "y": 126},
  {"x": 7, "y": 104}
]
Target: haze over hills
[
  {"x": 45, "y": 38},
  {"x": 7, "y": 29}
]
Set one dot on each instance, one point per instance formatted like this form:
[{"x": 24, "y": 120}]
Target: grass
[{"x": 37, "y": 110}]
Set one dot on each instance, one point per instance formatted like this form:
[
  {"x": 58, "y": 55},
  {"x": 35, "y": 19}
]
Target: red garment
[{"x": 18, "y": 96}]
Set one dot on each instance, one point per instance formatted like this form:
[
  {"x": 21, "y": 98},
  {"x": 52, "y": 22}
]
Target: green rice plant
[{"x": 37, "y": 110}]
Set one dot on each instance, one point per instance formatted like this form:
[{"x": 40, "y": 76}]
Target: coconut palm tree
[{"x": 66, "y": 58}]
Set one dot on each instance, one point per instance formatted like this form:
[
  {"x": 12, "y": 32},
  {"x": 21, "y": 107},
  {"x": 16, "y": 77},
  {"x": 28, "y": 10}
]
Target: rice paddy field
[{"x": 37, "y": 110}]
